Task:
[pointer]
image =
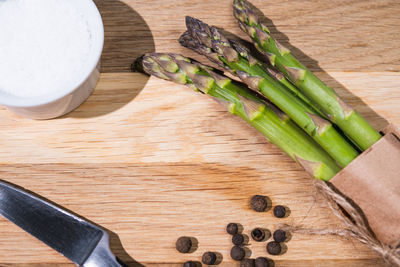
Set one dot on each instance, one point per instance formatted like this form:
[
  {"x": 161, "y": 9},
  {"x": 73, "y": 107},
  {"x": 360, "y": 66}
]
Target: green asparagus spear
[
  {"x": 348, "y": 119},
  {"x": 232, "y": 56},
  {"x": 246, "y": 104}
]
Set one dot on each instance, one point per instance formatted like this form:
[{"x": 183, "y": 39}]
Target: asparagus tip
[
  {"x": 189, "y": 20},
  {"x": 238, "y": 3},
  {"x": 137, "y": 65}
]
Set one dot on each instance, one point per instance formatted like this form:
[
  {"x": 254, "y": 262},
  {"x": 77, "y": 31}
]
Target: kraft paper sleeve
[{"x": 372, "y": 181}]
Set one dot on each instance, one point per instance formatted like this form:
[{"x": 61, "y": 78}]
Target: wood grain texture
[
  {"x": 151, "y": 160},
  {"x": 340, "y": 35},
  {"x": 169, "y": 163}
]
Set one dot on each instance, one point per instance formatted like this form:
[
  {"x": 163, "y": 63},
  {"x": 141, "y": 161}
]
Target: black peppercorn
[
  {"x": 279, "y": 236},
  {"x": 209, "y": 258},
  {"x": 262, "y": 262},
  {"x": 232, "y": 228},
  {"x": 247, "y": 263},
  {"x": 259, "y": 203},
  {"x": 274, "y": 248},
  {"x": 258, "y": 234},
  {"x": 238, "y": 239},
  {"x": 279, "y": 211},
  {"x": 183, "y": 244},
  {"x": 238, "y": 253},
  {"x": 190, "y": 264}
]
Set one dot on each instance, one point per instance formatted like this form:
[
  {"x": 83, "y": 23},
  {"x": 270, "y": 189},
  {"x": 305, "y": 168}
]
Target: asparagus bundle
[
  {"x": 349, "y": 120},
  {"x": 210, "y": 42},
  {"x": 246, "y": 104}
]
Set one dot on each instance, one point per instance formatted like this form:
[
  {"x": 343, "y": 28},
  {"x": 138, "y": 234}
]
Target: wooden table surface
[{"x": 151, "y": 161}]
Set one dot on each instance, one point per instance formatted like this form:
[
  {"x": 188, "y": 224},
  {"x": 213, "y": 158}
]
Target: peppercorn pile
[{"x": 240, "y": 251}]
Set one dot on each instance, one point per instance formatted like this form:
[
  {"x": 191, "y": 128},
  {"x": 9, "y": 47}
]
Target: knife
[{"x": 82, "y": 242}]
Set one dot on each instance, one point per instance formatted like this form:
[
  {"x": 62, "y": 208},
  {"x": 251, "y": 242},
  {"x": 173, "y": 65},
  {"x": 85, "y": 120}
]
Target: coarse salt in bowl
[{"x": 49, "y": 55}]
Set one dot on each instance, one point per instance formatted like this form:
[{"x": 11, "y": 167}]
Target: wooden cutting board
[{"x": 152, "y": 161}]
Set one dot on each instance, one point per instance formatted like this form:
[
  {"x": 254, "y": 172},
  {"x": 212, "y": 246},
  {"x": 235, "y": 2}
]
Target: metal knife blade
[{"x": 82, "y": 242}]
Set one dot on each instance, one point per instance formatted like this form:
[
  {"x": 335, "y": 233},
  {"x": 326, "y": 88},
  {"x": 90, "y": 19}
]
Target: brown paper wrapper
[{"x": 372, "y": 181}]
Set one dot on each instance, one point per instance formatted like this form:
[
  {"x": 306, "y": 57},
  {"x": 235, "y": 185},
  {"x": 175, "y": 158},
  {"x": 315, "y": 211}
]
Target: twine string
[{"x": 355, "y": 223}]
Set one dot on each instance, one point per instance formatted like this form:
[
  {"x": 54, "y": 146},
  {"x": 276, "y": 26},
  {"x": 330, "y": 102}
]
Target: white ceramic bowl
[{"x": 60, "y": 102}]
